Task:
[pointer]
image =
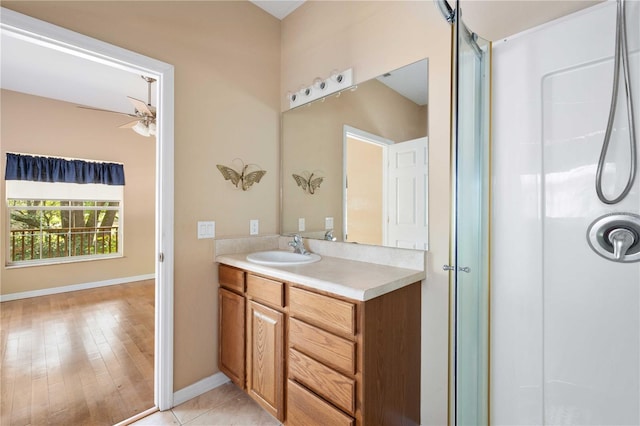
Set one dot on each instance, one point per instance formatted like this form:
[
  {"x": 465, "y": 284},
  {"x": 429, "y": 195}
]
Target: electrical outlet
[
  {"x": 254, "y": 227},
  {"x": 328, "y": 223},
  {"x": 206, "y": 230},
  {"x": 301, "y": 226}
]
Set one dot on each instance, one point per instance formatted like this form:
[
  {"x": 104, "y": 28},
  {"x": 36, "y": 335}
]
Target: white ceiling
[
  {"x": 41, "y": 71},
  {"x": 278, "y": 8},
  {"x": 410, "y": 81}
]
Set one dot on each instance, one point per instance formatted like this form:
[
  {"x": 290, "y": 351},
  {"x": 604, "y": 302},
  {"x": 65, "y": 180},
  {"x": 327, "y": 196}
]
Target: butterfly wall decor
[
  {"x": 309, "y": 184},
  {"x": 243, "y": 179}
]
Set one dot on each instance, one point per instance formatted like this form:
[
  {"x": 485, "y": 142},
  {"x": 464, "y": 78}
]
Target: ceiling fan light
[
  {"x": 141, "y": 129},
  {"x": 152, "y": 128}
]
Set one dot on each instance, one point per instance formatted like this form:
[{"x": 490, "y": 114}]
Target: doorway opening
[
  {"x": 41, "y": 33},
  {"x": 385, "y": 187}
]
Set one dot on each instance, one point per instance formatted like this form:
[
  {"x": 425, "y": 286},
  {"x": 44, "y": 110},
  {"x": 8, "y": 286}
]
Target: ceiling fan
[{"x": 145, "y": 114}]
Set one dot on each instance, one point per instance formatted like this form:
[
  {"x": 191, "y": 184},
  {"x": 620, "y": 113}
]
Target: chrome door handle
[{"x": 453, "y": 268}]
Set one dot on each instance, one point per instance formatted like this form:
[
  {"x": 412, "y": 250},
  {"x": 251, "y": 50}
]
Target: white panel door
[{"x": 407, "y": 186}]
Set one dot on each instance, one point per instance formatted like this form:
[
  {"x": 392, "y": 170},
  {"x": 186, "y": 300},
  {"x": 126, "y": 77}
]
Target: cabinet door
[
  {"x": 231, "y": 355},
  {"x": 265, "y": 359}
]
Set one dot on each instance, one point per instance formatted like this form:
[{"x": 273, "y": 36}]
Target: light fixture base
[{"x": 337, "y": 82}]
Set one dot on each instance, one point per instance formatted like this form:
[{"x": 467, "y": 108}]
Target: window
[
  {"x": 42, "y": 231},
  {"x": 62, "y": 210}
]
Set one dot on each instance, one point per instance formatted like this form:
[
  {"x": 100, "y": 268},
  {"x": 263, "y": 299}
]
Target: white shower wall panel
[{"x": 565, "y": 322}]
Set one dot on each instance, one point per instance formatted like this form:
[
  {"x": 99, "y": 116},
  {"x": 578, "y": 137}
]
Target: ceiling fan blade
[
  {"x": 141, "y": 106},
  {"x": 129, "y": 124},
  {"x": 107, "y": 110}
]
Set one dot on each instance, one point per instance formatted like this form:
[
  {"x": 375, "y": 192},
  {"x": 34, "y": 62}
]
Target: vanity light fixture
[
  {"x": 336, "y": 82},
  {"x": 319, "y": 84}
]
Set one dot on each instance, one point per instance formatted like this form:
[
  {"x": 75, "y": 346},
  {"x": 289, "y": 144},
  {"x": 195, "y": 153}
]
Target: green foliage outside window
[{"x": 50, "y": 229}]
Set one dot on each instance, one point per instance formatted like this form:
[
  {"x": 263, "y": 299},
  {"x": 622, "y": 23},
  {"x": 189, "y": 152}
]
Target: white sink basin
[{"x": 281, "y": 258}]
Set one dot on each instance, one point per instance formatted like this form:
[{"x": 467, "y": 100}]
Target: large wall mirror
[{"x": 354, "y": 164}]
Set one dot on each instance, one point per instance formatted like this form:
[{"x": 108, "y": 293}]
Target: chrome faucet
[
  {"x": 298, "y": 245},
  {"x": 329, "y": 235},
  {"x": 621, "y": 239}
]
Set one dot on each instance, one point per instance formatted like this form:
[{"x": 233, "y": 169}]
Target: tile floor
[{"x": 225, "y": 405}]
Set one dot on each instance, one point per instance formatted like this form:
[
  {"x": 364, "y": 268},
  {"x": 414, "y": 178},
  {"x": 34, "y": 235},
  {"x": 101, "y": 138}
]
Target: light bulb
[
  {"x": 141, "y": 129},
  {"x": 319, "y": 83},
  {"x": 152, "y": 128},
  {"x": 337, "y": 76}
]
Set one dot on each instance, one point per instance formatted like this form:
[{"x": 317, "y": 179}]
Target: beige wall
[
  {"x": 312, "y": 140},
  {"x": 228, "y": 58},
  {"x": 227, "y": 105},
  {"x": 497, "y": 19},
  {"x": 374, "y": 37},
  {"x": 41, "y": 126}
]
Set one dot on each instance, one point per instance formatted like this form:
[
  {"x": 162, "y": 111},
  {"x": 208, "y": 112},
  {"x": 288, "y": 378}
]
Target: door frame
[{"x": 45, "y": 34}]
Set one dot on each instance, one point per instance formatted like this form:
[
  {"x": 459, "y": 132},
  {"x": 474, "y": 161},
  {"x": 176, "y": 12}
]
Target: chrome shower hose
[{"x": 621, "y": 54}]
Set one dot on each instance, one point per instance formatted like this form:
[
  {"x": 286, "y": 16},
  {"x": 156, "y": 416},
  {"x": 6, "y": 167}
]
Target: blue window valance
[{"x": 51, "y": 169}]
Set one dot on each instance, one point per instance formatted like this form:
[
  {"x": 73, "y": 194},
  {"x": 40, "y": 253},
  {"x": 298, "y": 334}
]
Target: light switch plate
[
  {"x": 301, "y": 226},
  {"x": 328, "y": 223},
  {"x": 206, "y": 230},
  {"x": 254, "y": 227}
]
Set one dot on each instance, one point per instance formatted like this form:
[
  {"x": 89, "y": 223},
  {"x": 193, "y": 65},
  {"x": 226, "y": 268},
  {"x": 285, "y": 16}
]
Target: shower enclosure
[
  {"x": 469, "y": 259},
  {"x": 565, "y": 320}
]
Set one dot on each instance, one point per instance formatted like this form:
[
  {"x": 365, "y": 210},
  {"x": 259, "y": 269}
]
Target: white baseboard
[
  {"x": 198, "y": 388},
  {"x": 74, "y": 287}
]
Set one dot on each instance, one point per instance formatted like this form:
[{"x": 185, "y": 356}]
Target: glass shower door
[{"x": 470, "y": 231}]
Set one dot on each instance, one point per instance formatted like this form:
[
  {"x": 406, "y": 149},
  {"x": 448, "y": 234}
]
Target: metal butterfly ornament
[
  {"x": 309, "y": 184},
  {"x": 243, "y": 179}
]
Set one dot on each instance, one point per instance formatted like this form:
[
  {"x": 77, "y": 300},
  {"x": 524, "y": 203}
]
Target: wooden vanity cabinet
[
  {"x": 251, "y": 336},
  {"x": 231, "y": 324},
  {"x": 313, "y": 358},
  {"x": 354, "y": 363},
  {"x": 265, "y": 343}
]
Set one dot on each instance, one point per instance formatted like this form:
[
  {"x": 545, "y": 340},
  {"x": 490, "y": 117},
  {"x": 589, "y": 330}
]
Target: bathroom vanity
[{"x": 336, "y": 342}]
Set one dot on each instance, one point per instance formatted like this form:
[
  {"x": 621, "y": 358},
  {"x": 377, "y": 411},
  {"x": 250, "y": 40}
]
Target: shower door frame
[{"x": 462, "y": 279}]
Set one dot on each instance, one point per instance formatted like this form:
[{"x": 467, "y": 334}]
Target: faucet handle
[{"x": 621, "y": 239}]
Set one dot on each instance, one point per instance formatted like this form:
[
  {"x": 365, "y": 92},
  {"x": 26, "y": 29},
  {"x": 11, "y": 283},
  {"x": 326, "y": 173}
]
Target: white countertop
[{"x": 348, "y": 278}]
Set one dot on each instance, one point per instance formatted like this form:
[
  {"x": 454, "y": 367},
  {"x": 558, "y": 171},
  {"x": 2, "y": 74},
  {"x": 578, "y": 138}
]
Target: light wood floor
[{"x": 77, "y": 358}]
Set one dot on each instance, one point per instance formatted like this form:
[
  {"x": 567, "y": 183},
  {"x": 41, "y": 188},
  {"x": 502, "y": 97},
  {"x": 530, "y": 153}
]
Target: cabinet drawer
[
  {"x": 326, "y": 382},
  {"x": 265, "y": 290},
  {"x": 332, "y": 350},
  {"x": 231, "y": 278},
  {"x": 332, "y": 314},
  {"x": 306, "y": 409}
]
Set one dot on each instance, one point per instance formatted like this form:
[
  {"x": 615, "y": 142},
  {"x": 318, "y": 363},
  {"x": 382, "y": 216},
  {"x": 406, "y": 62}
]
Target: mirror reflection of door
[
  {"x": 385, "y": 190},
  {"x": 364, "y": 192},
  {"x": 407, "y": 184}
]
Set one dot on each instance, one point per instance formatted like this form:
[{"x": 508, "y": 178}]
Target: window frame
[{"x": 9, "y": 263}]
